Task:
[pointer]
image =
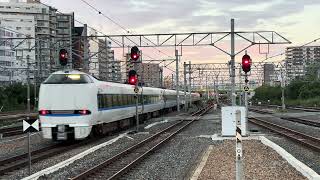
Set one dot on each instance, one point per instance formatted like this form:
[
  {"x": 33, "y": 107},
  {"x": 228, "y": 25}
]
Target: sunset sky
[{"x": 297, "y": 20}]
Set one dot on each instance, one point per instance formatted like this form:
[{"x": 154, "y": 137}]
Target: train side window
[
  {"x": 133, "y": 100},
  {"x": 120, "y": 100},
  {"x": 125, "y": 100},
  {"x": 130, "y": 99},
  {"x": 99, "y": 100},
  {"x": 104, "y": 101},
  {"x": 109, "y": 100},
  {"x": 115, "y": 100}
]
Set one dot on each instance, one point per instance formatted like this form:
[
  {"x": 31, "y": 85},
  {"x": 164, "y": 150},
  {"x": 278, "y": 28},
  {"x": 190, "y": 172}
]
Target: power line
[
  {"x": 118, "y": 24},
  {"x": 280, "y": 54}
]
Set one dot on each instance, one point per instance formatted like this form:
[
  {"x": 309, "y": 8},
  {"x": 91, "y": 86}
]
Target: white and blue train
[{"x": 74, "y": 105}]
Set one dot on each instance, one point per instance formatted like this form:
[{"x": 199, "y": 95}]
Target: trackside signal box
[{"x": 228, "y": 123}]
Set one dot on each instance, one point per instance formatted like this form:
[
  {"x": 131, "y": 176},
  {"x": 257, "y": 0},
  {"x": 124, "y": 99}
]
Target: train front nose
[{"x": 65, "y": 124}]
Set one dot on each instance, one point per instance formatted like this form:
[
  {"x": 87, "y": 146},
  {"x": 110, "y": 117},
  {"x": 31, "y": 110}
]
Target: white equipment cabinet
[{"x": 228, "y": 123}]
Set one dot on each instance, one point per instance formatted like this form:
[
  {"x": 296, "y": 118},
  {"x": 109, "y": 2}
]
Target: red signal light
[
  {"x": 63, "y": 57},
  {"x": 135, "y": 53},
  {"x": 132, "y": 77},
  {"x": 133, "y": 80},
  {"x": 246, "y": 63}
]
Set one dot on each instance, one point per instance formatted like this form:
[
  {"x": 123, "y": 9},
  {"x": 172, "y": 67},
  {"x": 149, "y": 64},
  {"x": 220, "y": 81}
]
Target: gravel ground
[
  {"x": 260, "y": 162},
  {"x": 89, "y": 160},
  {"x": 10, "y": 147},
  {"x": 178, "y": 158},
  {"x": 303, "y": 154}
]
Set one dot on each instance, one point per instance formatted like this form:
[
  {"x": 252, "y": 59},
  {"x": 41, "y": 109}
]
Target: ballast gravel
[
  {"x": 259, "y": 162},
  {"x": 17, "y": 145},
  {"x": 108, "y": 150},
  {"x": 309, "y": 157},
  {"x": 310, "y": 130}
]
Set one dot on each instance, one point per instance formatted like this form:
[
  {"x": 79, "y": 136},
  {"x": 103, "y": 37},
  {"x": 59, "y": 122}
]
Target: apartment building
[{"x": 298, "y": 58}]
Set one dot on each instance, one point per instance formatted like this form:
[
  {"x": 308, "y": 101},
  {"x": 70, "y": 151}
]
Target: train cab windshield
[{"x": 68, "y": 79}]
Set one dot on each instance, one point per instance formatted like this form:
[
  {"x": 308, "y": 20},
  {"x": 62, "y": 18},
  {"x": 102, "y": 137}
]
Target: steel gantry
[
  {"x": 219, "y": 74},
  {"x": 176, "y": 40}
]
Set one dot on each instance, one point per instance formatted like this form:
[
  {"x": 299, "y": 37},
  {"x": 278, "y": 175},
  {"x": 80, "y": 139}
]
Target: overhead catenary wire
[
  {"x": 118, "y": 24},
  {"x": 280, "y": 54},
  {"x": 122, "y": 27}
]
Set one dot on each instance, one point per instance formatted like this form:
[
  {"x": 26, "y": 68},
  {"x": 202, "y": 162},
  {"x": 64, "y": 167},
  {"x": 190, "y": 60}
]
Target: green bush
[{"x": 14, "y": 97}]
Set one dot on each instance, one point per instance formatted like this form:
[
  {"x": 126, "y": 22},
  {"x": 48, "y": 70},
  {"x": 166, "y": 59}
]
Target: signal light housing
[
  {"x": 63, "y": 57},
  {"x": 246, "y": 63},
  {"x": 132, "y": 77},
  {"x": 135, "y": 53}
]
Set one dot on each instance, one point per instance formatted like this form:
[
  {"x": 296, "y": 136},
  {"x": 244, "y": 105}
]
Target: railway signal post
[
  {"x": 246, "y": 67},
  {"x": 133, "y": 79},
  {"x": 239, "y": 165}
]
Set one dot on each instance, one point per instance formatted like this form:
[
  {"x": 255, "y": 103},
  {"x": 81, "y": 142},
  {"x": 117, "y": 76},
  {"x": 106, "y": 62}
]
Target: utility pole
[
  {"x": 282, "y": 90},
  {"x": 190, "y": 100},
  {"x": 207, "y": 87},
  {"x": 28, "y": 101},
  {"x": 240, "y": 90},
  {"x": 28, "y": 77},
  {"x": 172, "y": 84},
  {"x": 177, "y": 80},
  {"x": 232, "y": 64},
  {"x": 161, "y": 77},
  {"x": 185, "y": 86}
]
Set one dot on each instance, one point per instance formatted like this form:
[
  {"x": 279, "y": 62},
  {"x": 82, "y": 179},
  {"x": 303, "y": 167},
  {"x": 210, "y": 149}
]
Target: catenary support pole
[
  {"x": 28, "y": 103},
  {"x": 177, "y": 80},
  {"x": 185, "y": 86},
  {"x": 232, "y": 64},
  {"x": 172, "y": 81},
  {"x": 189, "y": 71}
]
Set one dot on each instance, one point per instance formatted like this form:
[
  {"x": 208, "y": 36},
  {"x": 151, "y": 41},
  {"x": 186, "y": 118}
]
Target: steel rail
[
  {"x": 11, "y": 131},
  {"x": 302, "y": 138},
  {"x": 137, "y": 152},
  {"x": 302, "y": 121}
]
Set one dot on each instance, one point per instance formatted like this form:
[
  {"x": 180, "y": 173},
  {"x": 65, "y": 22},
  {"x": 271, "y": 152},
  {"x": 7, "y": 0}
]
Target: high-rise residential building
[
  {"x": 14, "y": 52},
  {"x": 108, "y": 67},
  {"x": 50, "y": 31},
  {"x": 64, "y": 31},
  {"x": 94, "y": 56},
  {"x": 149, "y": 74},
  {"x": 78, "y": 48},
  {"x": 268, "y": 74},
  {"x": 298, "y": 58}
]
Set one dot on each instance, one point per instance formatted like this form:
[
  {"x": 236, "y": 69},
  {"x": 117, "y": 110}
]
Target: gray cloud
[{"x": 137, "y": 14}]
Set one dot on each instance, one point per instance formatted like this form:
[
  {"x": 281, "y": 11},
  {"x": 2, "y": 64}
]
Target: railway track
[
  {"x": 293, "y": 119},
  {"x": 16, "y": 116},
  {"x": 121, "y": 163},
  {"x": 20, "y": 161},
  {"x": 302, "y": 138},
  {"x": 303, "y": 121},
  {"x": 260, "y": 111},
  {"x": 307, "y": 109},
  {"x": 11, "y": 131}
]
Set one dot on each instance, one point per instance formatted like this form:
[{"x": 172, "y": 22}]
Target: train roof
[
  {"x": 116, "y": 87},
  {"x": 69, "y": 71}
]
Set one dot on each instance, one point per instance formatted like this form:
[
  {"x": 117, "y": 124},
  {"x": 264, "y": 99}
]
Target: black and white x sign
[{"x": 31, "y": 125}]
